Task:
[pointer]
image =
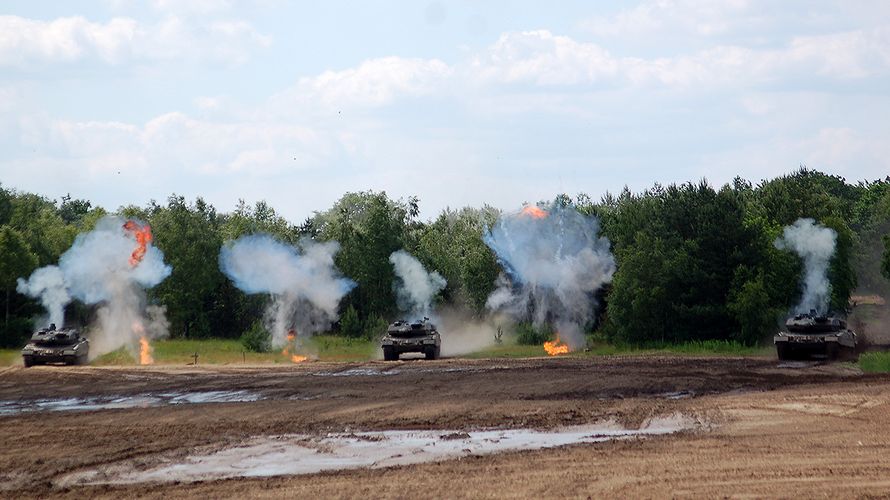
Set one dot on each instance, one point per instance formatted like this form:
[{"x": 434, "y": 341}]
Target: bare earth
[{"x": 770, "y": 429}]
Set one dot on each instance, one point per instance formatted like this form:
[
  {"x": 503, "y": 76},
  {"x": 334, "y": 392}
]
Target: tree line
[{"x": 694, "y": 262}]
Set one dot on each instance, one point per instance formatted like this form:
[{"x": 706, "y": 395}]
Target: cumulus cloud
[
  {"x": 30, "y": 43},
  {"x": 542, "y": 58},
  {"x": 572, "y": 107},
  {"x": 374, "y": 82},
  {"x": 649, "y": 18}
]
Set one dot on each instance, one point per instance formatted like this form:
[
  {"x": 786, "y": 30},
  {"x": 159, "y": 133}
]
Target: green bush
[
  {"x": 350, "y": 324},
  {"x": 15, "y": 332},
  {"x": 375, "y": 327},
  {"x": 528, "y": 334},
  {"x": 257, "y": 338}
]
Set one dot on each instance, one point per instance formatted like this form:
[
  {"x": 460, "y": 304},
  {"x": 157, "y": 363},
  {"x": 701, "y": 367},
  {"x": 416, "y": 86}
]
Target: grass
[
  {"x": 875, "y": 362},
  {"x": 602, "y": 348},
  {"x": 335, "y": 348},
  {"x": 711, "y": 347},
  {"x": 10, "y": 357},
  {"x": 225, "y": 351}
]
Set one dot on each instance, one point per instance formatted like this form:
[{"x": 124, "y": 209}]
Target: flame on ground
[
  {"x": 145, "y": 349},
  {"x": 556, "y": 347},
  {"x": 142, "y": 233},
  {"x": 534, "y": 212},
  {"x": 291, "y": 346}
]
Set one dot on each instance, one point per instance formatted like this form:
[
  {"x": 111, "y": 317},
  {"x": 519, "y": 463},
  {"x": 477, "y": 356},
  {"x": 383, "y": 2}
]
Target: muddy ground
[{"x": 765, "y": 428}]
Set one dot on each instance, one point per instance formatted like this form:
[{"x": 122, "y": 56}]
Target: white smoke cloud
[
  {"x": 97, "y": 270},
  {"x": 305, "y": 285},
  {"x": 554, "y": 262},
  {"x": 48, "y": 284},
  {"x": 815, "y": 244},
  {"x": 415, "y": 287}
]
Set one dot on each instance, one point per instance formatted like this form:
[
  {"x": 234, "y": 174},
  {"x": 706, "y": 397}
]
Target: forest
[{"x": 693, "y": 262}]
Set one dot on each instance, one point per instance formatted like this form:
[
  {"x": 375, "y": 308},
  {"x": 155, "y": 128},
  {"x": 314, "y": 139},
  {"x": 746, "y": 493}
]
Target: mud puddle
[
  {"x": 396, "y": 370},
  {"x": 306, "y": 454},
  {"x": 118, "y": 402}
]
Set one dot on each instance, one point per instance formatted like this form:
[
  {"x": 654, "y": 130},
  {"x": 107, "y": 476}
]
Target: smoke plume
[
  {"x": 554, "y": 262},
  {"x": 305, "y": 285},
  {"x": 97, "y": 270},
  {"x": 814, "y": 243},
  {"x": 414, "y": 286}
]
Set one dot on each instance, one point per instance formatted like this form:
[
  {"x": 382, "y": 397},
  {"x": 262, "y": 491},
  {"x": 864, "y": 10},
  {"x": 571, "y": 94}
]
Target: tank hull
[
  {"x": 811, "y": 336},
  {"x": 51, "y": 346},
  {"x": 804, "y": 347},
  {"x": 402, "y": 337}
]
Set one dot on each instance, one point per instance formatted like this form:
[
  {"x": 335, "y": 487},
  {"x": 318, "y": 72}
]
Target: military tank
[
  {"x": 815, "y": 336},
  {"x": 49, "y": 345},
  {"x": 419, "y": 336}
]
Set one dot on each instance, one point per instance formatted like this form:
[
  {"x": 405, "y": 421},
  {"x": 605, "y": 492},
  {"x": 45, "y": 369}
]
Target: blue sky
[{"x": 459, "y": 103}]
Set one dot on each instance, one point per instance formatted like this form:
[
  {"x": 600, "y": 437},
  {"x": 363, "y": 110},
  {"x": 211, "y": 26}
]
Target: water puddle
[
  {"x": 677, "y": 395},
  {"x": 306, "y": 454},
  {"x": 798, "y": 364},
  {"x": 118, "y": 402},
  {"x": 357, "y": 372}
]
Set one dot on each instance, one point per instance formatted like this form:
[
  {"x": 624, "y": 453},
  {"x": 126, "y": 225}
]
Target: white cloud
[
  {"x": 374, "y": 82},
  {"x": 542, "y": 58},
  {"x": 29, "y": 43},
  {"x": 192, "y": 6},
  {"x": 529, "y": 115},
  {"x": 703, "y": 18}
]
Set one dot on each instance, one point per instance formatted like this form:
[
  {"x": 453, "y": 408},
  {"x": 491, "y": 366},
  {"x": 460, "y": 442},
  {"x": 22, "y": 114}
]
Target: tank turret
[
  {"x": 418, "y": 336},
  {"x": 815, "y": 335},
  {"x": 51, "y": 345}
]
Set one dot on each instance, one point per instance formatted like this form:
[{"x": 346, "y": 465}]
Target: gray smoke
[
  {"x": 815, "y": 244},
  {"x": 554, "y": 261},
  {"x": 304, "y": 284},
  {"x": 414, "y": 286},
  {"x": 97, "y": 270}
]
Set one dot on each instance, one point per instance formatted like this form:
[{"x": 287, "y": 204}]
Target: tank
[
  {"x": 815, "y": 336},
  {"x": 49, "y": 345},
  {"x": 420, "y": 336}
]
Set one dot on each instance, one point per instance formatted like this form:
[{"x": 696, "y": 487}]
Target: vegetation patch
[{"x": 875, "y": 362}]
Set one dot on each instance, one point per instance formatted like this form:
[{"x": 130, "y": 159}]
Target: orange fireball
[
  {"x": 291, "y": 346},
  {"x": 143, "y": 238},
  {"x": 556, "y": 347},
  {"x": 145, "y": 357},
  {"x": 534, "y": 212}
]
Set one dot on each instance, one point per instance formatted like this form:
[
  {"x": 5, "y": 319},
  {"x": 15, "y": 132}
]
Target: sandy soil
[{"x": 786, "y": 430}]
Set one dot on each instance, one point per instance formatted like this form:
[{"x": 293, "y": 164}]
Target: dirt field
[{"x": 763, "y": 428}]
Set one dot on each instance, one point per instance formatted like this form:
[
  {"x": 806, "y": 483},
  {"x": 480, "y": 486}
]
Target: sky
[{"x": 458, "y": 103}]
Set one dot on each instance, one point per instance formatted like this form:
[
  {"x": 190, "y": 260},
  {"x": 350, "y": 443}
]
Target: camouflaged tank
[
  {"x": 815, "y": 336},
  {"x": 49, "y": 345},
  {"x": 420, "y": 336}
]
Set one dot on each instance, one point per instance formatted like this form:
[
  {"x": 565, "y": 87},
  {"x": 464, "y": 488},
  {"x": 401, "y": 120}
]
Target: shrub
[
  {"x": 350, "y": 324},
  {"x": 375, "y": 327},
  {"x": 528, "y": 334},
  {"x": 257, "y": 338}
]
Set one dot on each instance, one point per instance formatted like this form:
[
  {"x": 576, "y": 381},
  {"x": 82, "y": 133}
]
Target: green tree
[
  {"x": 190, "y": 239},
  {"x": 16, "y": 261},
  {"x": 369, "y": 227},
  {"x": 885, "y": 260},
  {"x": 754, "y": 311},
  {"x": 350, "y": 324},
  {"x": 453, "y": 246},
  {"x": 46, "y": 233},
  {"x": 678, "y": 249},
  {"x": 261, "y": 218}
]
